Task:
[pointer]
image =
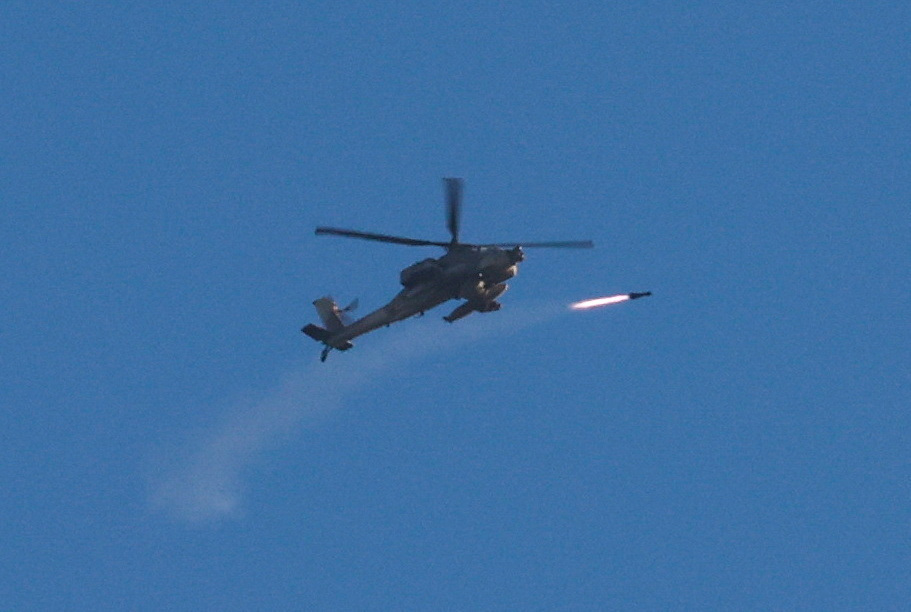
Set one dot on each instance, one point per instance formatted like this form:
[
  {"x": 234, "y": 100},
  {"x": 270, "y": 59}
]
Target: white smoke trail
[{"x": 205, "y": 482}]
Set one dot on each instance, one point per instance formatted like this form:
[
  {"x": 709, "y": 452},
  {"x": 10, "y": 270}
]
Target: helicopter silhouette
[{"x": 475, "y": 273}]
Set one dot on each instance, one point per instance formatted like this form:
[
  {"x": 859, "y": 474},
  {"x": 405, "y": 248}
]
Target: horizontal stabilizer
[
  {"x": 316, "y": 332},
  {"x": 324, "y": 335}
]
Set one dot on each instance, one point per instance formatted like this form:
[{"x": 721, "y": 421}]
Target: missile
[{"x": 611, "y": 299}]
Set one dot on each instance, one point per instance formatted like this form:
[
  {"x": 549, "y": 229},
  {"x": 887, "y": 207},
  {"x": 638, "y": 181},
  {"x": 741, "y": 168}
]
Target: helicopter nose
[{"x": 517, "y": 254}]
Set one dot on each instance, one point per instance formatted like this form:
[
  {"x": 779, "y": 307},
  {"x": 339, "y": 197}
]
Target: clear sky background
[{"x": 739, "y": 440}]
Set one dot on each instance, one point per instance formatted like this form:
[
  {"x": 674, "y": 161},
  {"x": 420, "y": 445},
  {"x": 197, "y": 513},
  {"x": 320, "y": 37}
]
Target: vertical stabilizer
[{"x": 329, "y": 313}]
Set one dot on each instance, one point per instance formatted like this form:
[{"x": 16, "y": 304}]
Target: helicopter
[{"x": 475, "y": 273}]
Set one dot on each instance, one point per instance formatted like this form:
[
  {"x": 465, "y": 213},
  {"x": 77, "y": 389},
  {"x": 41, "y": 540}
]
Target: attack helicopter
[{"x": 475, "y": 273}]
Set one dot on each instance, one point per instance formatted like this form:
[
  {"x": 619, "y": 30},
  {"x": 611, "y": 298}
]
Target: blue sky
[{"x": 738, "y": 440}]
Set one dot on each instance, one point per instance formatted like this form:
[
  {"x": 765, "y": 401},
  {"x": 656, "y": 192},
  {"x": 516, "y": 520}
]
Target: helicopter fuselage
[{"x": 475, "y": 275}]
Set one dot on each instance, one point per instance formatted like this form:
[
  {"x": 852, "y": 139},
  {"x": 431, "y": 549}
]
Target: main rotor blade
[
  {"x": 565, "y": 244},
  {"x": 453, "y": 206},
  {"x": 332, "y": 231}
]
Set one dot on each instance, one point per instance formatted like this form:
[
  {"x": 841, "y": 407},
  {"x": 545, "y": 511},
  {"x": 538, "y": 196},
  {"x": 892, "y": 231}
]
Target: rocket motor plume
[
  {"x": 613, "y": 299},
  {"x": 602, "y": 301}
]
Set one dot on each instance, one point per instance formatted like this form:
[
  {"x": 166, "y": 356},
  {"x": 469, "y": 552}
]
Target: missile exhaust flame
[{"x": 603, "y": 301}]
